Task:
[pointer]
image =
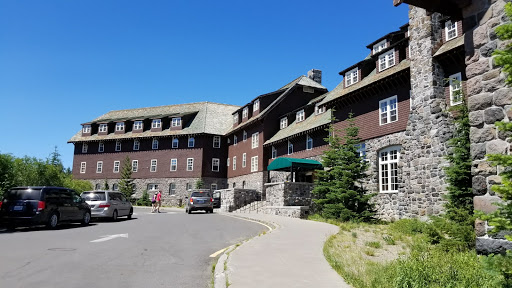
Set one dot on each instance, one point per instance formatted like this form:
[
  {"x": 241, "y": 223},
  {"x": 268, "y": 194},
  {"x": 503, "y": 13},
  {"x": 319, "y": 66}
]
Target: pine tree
[
  {"x": 338, "y": 191},
  {"x": 126, "y": 185},
  {"x": 105, "y": 185}
]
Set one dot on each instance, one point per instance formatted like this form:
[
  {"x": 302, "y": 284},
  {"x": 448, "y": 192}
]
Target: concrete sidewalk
[{"x": 291, "y": 255}]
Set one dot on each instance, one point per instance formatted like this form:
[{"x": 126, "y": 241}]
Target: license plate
[
  {"x": 17, "y": 208},
  {"x": 200, "y": 201}
]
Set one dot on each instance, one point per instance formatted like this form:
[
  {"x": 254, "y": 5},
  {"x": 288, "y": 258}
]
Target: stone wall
[
  {"x": 233, "y": 199},
  {"x": 288, "y": 211},
  {"x": 252, "y": 181},
  {"x": 289, "y": 194}
]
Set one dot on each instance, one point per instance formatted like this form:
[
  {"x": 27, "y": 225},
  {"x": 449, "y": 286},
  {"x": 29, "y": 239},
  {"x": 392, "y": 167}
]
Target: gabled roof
[{"x": 210, "y": 118}]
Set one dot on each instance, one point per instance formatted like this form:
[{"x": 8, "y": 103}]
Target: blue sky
[{"x": 63, "y": 63}]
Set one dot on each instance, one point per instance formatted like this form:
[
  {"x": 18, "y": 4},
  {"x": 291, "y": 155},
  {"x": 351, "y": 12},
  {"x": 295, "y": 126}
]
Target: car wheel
[
  {"x": 86, "y": 219},
  {"x": 53, "y": 221},
  {"x": 114, "y": 215},
  {"x": 130, "y": 214}
]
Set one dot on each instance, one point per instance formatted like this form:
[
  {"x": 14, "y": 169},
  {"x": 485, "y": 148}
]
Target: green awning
[{"x": 287, "y": 164}]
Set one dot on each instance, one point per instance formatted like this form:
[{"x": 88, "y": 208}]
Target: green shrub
[
  {"x": 374, "y": 244},
  {"x": 500, "y": 266},
  {"x": 408, "y": 227},
  {"x": 389, "y": 240},
  {"x": 144, "y": 200}
]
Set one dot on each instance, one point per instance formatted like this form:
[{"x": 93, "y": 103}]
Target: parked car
[
  {"x": 216, "y": 199},
  {"x": 199, "y": 200},
  {"x": 42, "y": 206},
  {"x": 108, "y": 204}
]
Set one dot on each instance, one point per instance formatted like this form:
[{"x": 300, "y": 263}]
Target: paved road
[{"x": 169, "y": 249}]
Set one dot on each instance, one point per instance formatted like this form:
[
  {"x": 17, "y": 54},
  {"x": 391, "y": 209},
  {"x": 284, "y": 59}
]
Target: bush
[
  {"x": 144, "y": 200},
  {"x": 500, "y": 266}
]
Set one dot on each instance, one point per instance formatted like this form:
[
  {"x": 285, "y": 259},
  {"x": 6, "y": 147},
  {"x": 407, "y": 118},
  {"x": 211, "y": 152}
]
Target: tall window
[
  {"x": 309, "y": 143},
  {"x": 103, "y": 128},
  {"x": 235, "y": 118},
  {"x": 245, "y": 136},
  {"x": 256, "y": 105},
  {"x": 118, "y": 145},
  {"x": 351, "y": 77},
  {"x": 245, "y": 112},
  {"x": 190, "y": 164},
  {"x": 227, "y": 162},
  {"x": 86, "y": 129},
  {"x": 120, "y": 126},
  {"x": 215, "y": 164},
  {"x": 99, "y": 167},
  {"x": 450, "y": 30},
  {"x": 154, "y": 146},
  {"x": 135, "y": 165},
  {"x": 216, "y": 141},
  {"x": 388, "y": 169},
  {"x": 172, "y": 188},
  {"x": 387, "y": 60},
  {"x": 283, "y": 123},
  {"x": 174, "y": 164},
  {"x": 189, "y": 186},
  {"x": 157, "y": 123},
  {"x": 244, "y": 159},
  {"x": 116, "y": 166},
  {"x": 101, "y": 147},
  {"x": 85, "y": 147},
  {"x": 254, "y": 164},
  {"x": 255, "y": 140},
  {"x": 455, "y": 89},
  {"x": 379, "y": 46},
  {"x": 136, "y": 145},
  {"x": 176, "y": 122},
  {"x": 137, "y": 125},
  {"x": 388, "y": 110},
  {"x": 290, "y": 148},
  {"x": 83, "y": 165},
  {"x": 361, "y": 150},
  {"x": 191, "y": 141},
  {"x": 300, "y": 116},
  {"x": 153, "y": 165},
  {"x": 175, "y": 142},
  {"x": 235, "y": 140},
  {"x": 274, "y": 152},
  {"x": 234, "y": 162},
  {"x": 115, "y": 187}
]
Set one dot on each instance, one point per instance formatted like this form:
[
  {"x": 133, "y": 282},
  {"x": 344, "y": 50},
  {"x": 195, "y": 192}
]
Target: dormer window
[
  {"x": 157, "y": 123},
  {"x": 191, "y": 141},
  {"x": 450, "y": 30},
  {"x": 351, "y": 77},
  {"x": 300, "y": 116},
  {"x": 86, "y": 129},
  {"x": 283, "y": 123},
  {"x": 120, "y": 126},
  {"x": 103, "y": 128},
  {"x": 84, "y": 147},
  {"x": 256, "y": 105},
  {"x": 176, "y": 122},
  {"x": 379, "y": 46},
  {"x": 386, "y": 60},
  {"x": 137, "y": 125},
  {"x": 245, "y": 112},
  {"x": 319, "y": 109},
  {"x": 235, "y": 118}
]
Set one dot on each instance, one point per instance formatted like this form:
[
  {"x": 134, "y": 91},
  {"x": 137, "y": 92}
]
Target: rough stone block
[
  {"x": 480, "y": 135},
  {"x": 479, "y": 185},
  {"x": 491, "y": 75},
  {"x": 480, "y": 228},
  {"x": 488, "y": 246},
  {"x": 486, "y": 203},
  {"x": 477, "y": 151},
  {"x": 497, "y": 147},
  {"x": 480, "y": 36},
  {"x": 478, "y": 68},
  {"x": 502, "y": 97},
  {"x": 474, "y": 86},
  {"x": 493, "y": 114},
  {"x": 476, "y": 118},
  {"x": 479, "y": 101}
]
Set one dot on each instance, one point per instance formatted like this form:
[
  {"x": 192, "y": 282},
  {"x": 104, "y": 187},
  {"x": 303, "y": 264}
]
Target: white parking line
[{"x": 110, "y": 237}]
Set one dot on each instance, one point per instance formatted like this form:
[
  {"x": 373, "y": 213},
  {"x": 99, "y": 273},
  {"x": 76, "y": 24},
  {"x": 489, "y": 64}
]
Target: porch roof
[{"x": 285, "y": 164}]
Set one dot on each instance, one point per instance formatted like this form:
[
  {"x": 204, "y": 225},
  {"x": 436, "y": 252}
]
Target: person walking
[
  {"x": 153, "y": 203},
  {"x": 159, "y": 200}
]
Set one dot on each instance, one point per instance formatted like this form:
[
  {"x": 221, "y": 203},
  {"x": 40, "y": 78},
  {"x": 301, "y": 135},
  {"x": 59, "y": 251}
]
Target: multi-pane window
[
  {"x": 135, "y": 165},
  {"x": 175, "y": 142},
  {"x": 215, "y": 164},
  {"x": 99, "y": 166},
  {"x": 172, "y": 188},
  {"x": 191, "y": 141},
  {"x": 152, "y": 168},
  {"x": 254, "y": 164},
  {"x": 299, "y": 116},
  {"x": 388, "y": 110},
  {"x": 309, "y": 143},
  {"x": 274, "y": 152},
  {"x": 216, "y": 141},
  {"x": 115, "y": 187},
  {"x": 85, "y": 147},
  {"x": 189, "y": 186},
  {"x": 137, "y": 125},
  {"x": 136, "y": 144},
  {"x": 245, "y": 112},
  {"x": 244, "y": 159},
  {"x": 450, "y": 30},
  {"x": 152, "y": 186},
  {"x": 283, "y": 123},
  {"x": 154, "y": 145},
  {"x": 255, "y": 140},
  {"x": 190, "y": 164},
  {"x": 234, "y": 162},
  {"x": 116, "y": 166},
  {"x": 235, "y": 140},
  {"x": 83, "y": 165},
  {"x": 319, "y": 109},
  {"x": 290, "y": 148},
  {"x": 379, "y": 46},
  {"x": 351, "y": 77},
  {"x": 213, "y": 186},
  {"x": 455, "y": 89},
  {"x": 118, "y": 145},
  {"x": 256, "y": 105},
  {"x": 103, "y": 128},
  {"x": 120, "y": 126},
  {"x": 101, "y": 147},
  {"x": 86, "y": 129},
  {"x": 388, "y": 169},
  {"x": 176, "y": 122},
  {"x": 235, "y": 118},
  {"x": 387, "y": 60},
  {"x": 245, "y": 135},
  {"x": 156, "y": 123},
  {"x": 174, "y": 164}
]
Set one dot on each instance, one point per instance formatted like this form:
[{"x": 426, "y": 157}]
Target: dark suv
[{"x": 43, "y": 205}]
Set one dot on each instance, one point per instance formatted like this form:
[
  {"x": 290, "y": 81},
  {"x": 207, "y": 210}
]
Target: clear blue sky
[{"x": 63, "y": 63}]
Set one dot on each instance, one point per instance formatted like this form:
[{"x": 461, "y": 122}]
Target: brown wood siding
[{"x": 245, "y": 147}]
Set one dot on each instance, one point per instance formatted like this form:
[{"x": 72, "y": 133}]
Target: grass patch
[
  {"x": 374, "y": 244},
  {"x": 389, "y": 240},
  {"x": 354, "y": 234}
]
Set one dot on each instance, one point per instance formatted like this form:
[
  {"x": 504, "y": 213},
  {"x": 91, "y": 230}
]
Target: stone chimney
[{"x": 315, "y": 75}]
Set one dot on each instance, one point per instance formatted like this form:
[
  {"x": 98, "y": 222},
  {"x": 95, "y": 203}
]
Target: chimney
[{"x": 315, "y": 75}]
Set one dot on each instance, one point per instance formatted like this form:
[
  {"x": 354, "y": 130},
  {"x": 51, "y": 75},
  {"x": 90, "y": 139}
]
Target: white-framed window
[
  {"x": 101, "y": 147},
  {"x": 290, "y": 148},
  {"x": 455, "y": 89},
  {"x": 176, "y": 122},
  {"x": 136, "y": 145},
  {"x": 99, "y": 167},
  {"x": 379, "y": 46},
  {"x": 135, "y": 165},
  {"x": 116, "y": 166},
  {"x": 387, "y": 60},
  {"x": 235, "y": 118},
  {"x": 191, "y": 141},
  {"x": 115, "y": 187},
  {"x": 83, "y": 166},
  {"x": 152, "y": 186},
  {"x": 450, "y": 30},
  {"x": 244, "y": 160},
  {"x": 103, "y": 128},
  {"x": 120, "y": 126},
  {"x": 235, "y": 140},
  {"x": 361, "y": 150},
  {"x": 319, "y": 109},
  {"x": 156, "y": 123},
  {"x": 245, "y": 112},
  {"x": 283, "y": 123},
  {"x": 86, "y": 129},
  {"x": 227, "y": 161},
  {"x": 309, "y": 142},
  {"x": 189, "y": 186},
  {"x": 216, "y": 141},
  {"x": 154, "y": 144},
  {"x": 388, "y": 169},
  {"x": 274, "y": 152},
  {"x": 190, "y": 164},
  {"x": 172, "y": 188},
  {"x": 254, "y": 164},
  {"x": 97, "y": 186},
  {"x": 256, "y": 105},
  {"x": 351, "y": 77},
  {"x": 85, "y": 147},
  {"x": 175, "y": 142},
  {"x": 174, "y": 164},
  {"x": 388, "y": 110},
  {"x": 255, "y": 140},
  {"x": 118, "y": 145},
  {"x": 153, "y": 166},
  {"x": 244, "y": 137},
  {"x": 234, "y": 162},
  {"x": 215, "y": 164},
  {"x": 299, "y": 116},
  {"x": 137, "y": 125},
  {"x": 213, "y": 186}
]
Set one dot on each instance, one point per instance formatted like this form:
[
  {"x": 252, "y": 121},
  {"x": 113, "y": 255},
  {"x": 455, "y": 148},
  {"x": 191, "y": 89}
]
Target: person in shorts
[
  {"x": 158, "y": 200},
  {"x": 153, "y": 203}
]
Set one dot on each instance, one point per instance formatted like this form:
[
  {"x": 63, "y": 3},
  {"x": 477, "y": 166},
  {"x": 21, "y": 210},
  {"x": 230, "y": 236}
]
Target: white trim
[
  {"x": 234, "y": 162},
  {"x": 193, "y": 142},
  {"x": 175, "y": 164},
  {"x": 455, "y": 85},
  {"x": 227, "y": 162},
  {"x": 153, "y": 167},
  {"x": 274, "y": 152},
  {"x": 216, "y": 141},
  {"x": 190, "y": 164},
  {"x": 300, "y": 116},
  {"x": 103, "y": 128},
  {"x": 154, "y": 144},
  {"x": 450, "y": 26},
  {"x": 120, "y": 126},
  {"x": 175, "y": 140},
  {"x": 283, "y": 123},
  {"x": 256, "y": 105},
  {"x": 86, "y": 129},
  {"x": 135, "y": 166},
  {"x": 308, "y": 140},
  {"x": 156, "y": 123},
  {"x": 388, "y": 160},
  {"x": 136, "y": 145},
  {"x": 83, "y": 167},
  {"x": 118, "y": 145},
  {"x": 176, "y": 122},
  {"x": 85, "y": 147},
  {"x": 138, "y": 125},
  {"x": 217, "y": 166},
  {"x": 99, "y": 167},
  {"x": 255, "y": 140},
  {"x": 117, "y": 165},
  {"x": 290, "y": 145},
  {"x": 351, "y": 77},
  {"x": 386, "y": 60},
  {"x": 254, "y": 164},
  {"x": 235, "y": 140},
  {"x": 388, "y": 108},
  {"x": 380, "y": 46},
  {"x": 101, "y": 147},
  {"x": 245, "y": 112},
  {"x": 244, "y": 160}
]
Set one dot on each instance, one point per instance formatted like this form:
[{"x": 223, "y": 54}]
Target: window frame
[
  {"x": 235, "y": 140},
  {"x": 450, "y": 26},
  {"x": 380, "y": 46},
  {"x": 234, "y": 163},
  {"x": 135, "y": 166},
  {"x": 254, "y": 164},
  {"x": 172, "y": 188},
  {"x": 256, "y": 105},
  {"x": 156, "y": 123},
  {"x": 387, "y": 60},
  {"x": 274, "y": 152},
  {"x": 309, "y": 141},
  {"x": 83, "y": 167},
  {"x": 154, "y": 144},
  {"x": 86, "y": 129},
  {"x": 300, "y": 116},
  {"x": 389, "y": 163},
  {"x": 244, "y": 160},
  {"x": 215, "y": 166},
  {"x": 255, "y": 140},
  {"x": 103, "y": 128},
  {"x": 118, "y": 146},
  {"x": 138, "y": 125},
  {"x": 153, "y": 167},
  {"x": 120, "y": 126},
  {"x": 175, "y": 140},
  {"x": 99, "y": 167},
  {"x": 244, "y": 136},
  {"x": 176, "y": 122},
  {"x": 283, "y": 122},
  {"x": 101, "y": 147},
  {"x": 175, "y": 166},
  {"x": 388, "y": 110},
  {"x": 136, "y": 145},
  {"x": 117, "y": 165},
  {"x": 349, "y": 77},
  {"x": 191, "y": 139},
  {"x": 290, "y": 146},
  {"x": 453, "y": 89},
  {"x": 85, "y": 148},
  {"x": 190, "y": 164},
  {"x": 245, "y": 112},
  {"x": 216, "y": 140}
]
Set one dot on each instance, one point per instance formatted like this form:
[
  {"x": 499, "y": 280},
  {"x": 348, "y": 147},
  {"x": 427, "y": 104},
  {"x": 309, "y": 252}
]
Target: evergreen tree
[
  {"x": 199, "y": 184},
  {"x": 126, "y": 185},
  {"x": 105, "y": 185},
  {"x": 504, "y": 57},
  {"x": 338, "y": 191}
]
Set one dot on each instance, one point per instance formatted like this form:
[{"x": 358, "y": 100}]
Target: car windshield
[
  {"x": 94, "y": 196},
  {"x": 23, "y": 194},
  {"x": 199, "y": 194}
]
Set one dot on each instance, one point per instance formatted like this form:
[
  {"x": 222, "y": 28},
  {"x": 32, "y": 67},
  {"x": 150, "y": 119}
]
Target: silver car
[
  {"x": 108, "y": 204},
  {"x": 200, "y": 199}
]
